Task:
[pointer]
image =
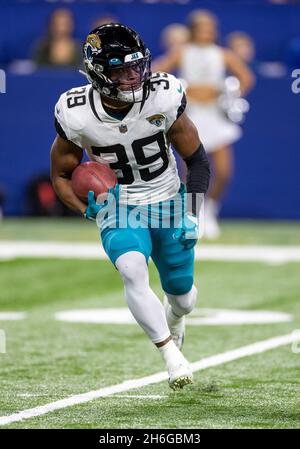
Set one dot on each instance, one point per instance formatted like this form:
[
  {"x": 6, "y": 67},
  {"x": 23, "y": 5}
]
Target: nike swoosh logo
[{"x": 180, "y": 89}]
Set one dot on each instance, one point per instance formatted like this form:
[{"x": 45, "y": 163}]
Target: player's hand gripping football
[
  {"x": 94, "y": 208},
  {"x": 188, "y": 234}
]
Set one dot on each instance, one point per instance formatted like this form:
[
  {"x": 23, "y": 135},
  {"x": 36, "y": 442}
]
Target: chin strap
[{"x": 146, "y": 93}]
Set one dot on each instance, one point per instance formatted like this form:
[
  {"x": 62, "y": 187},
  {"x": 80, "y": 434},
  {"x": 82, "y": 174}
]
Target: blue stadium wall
[{"x": 267, "y": 158}]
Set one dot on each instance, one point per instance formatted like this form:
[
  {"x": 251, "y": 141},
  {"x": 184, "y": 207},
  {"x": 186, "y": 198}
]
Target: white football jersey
[{"x": 136, "y": 147}]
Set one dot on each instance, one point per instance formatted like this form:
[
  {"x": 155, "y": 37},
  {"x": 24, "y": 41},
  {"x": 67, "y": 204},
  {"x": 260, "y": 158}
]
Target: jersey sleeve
[
  {"x": 175, "y": 101},
  {"x": 65, "y": 123}
]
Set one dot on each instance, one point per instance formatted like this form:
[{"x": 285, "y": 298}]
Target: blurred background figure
[
  {"x": 59, "y": 47},
  {"x": 172, "y": 38},
  {"x": 102, "y": 20},
  {"x": 42, "y": 201},
  {"x": 203, "y": 65},
  {"x": 242, "y": 45}
]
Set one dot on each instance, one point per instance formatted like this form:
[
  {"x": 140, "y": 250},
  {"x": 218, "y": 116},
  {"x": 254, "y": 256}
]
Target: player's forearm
[
  {"x": 63, "y": 189},
  {"x": 198, "y": 176}
]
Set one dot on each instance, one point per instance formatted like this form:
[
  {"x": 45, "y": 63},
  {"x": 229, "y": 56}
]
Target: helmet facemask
[{"x": 129, "y": 78}]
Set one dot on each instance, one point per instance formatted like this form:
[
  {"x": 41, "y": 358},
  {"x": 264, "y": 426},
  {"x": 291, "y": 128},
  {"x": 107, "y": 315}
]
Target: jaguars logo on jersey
[{"x": 156, "y": 119}]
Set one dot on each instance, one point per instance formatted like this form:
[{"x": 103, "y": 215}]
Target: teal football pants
[{"x": 174, "y": 263}]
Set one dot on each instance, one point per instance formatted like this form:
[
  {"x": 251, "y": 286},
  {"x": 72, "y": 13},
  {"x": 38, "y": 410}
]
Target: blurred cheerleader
[{"x": 203, "y": 66}]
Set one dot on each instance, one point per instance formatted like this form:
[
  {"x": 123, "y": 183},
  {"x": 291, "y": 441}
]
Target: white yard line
[
  {"x": 7, "y": 316},
  {"x": 61, "y": 250},
  {"x": 128, "y": 385},
  {"x": 75, "y": 250}
]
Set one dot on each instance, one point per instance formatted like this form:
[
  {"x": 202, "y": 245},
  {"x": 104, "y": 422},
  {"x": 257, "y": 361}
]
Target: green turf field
[
  {"x": 233, "y": 232},
  {"x": 48, "y": 360}
]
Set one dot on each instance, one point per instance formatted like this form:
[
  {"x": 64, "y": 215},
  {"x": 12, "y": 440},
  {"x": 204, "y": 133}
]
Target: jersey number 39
[{"x": 123, "y": 163}]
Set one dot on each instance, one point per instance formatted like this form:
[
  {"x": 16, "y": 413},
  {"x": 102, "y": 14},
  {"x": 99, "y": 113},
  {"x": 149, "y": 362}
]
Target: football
[{"x": 92, "y": 176}]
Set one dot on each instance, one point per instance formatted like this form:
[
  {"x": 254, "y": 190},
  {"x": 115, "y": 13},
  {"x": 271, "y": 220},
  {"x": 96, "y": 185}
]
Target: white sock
[
  {"x": 144, "y": 305},
  {"x": 171, "y": 354}
]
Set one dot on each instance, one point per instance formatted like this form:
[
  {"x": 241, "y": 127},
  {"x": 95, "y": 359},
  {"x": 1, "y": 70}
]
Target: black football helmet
[{"x": 117, "y": 63}]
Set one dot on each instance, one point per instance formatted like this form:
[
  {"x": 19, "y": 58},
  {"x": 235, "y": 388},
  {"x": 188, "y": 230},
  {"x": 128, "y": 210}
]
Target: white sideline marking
[
  {"x": 75, "y": 250},
  {"x": 7, "y": 316},
  {"x": 62, "y": 250},
  {"x": 218, "y": 359},
  {"x": 203, "y": 317}
]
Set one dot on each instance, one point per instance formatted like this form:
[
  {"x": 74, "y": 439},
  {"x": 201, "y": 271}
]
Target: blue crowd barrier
[
  {"x": 267, "y": 158},
  {"x": 271, "y": 26}
]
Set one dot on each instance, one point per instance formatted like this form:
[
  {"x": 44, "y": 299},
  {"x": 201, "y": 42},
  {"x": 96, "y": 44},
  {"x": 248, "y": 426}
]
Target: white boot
[
  {"x": 179, "y": 370},
  {"x": 180, "y": 375}
]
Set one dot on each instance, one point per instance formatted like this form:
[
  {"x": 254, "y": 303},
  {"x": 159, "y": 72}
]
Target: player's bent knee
[
  {"x": 132, "y": 266},
  {"x": 188, "y": 301},
  {"x": 183, "y": 304},
  {"x": 178, "y": 285}
]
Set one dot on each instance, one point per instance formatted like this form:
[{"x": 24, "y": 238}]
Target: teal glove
[
  {"x": 187, "y": 235},
  {"x": 93, "y": 208}
]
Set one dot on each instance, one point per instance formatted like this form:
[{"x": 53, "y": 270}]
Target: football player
[{"x": 128, "y": 118}]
